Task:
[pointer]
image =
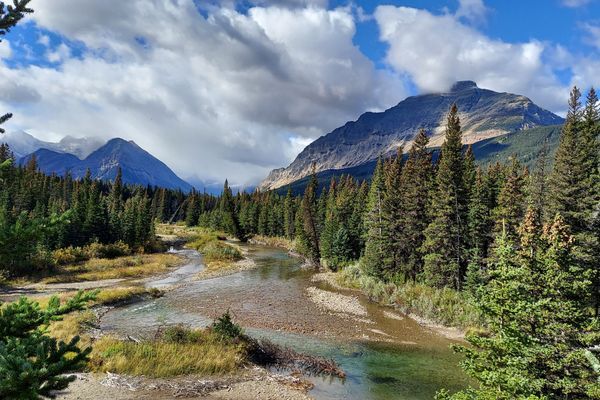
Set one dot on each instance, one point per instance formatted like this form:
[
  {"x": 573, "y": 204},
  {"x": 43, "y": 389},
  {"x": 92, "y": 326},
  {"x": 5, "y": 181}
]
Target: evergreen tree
[
  {"x": 373, "y": 261},
  {"x": 417, "y": 178},
  {"x": 444, "y": 245},
  {"x": 310, "y": 221},
  {"x": 289, "y": 212}
]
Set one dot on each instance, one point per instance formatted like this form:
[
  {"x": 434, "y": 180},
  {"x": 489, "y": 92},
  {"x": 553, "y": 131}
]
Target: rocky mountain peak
[
  {"x": 484, "y": 114},
  {"x": 463, "y": 85}
]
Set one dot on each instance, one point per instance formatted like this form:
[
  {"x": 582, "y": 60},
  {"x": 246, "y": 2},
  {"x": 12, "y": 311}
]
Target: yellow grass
[
  {"x": 71, "y": 325},
  {"x": 122, "y": 267},
  {"x": 208, "y": 356},
  {"x": 280, "y": 242}
]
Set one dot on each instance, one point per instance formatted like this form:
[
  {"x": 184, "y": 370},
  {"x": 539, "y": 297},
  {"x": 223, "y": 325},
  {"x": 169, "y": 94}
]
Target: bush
[
  {"x": 218, "y": 251},
  {"x": 225, "y": 328},
  {"x": 112, "y": 250},
  {"x": 69, "y": 255}
]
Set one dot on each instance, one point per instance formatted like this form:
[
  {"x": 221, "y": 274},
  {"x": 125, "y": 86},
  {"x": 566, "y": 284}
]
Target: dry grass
[
  {"x": 122, "y": 267},
  {"x": 278, "y": 242},
  {"x": 71, "y": 325},
  {"x": 207, "y": 355}
]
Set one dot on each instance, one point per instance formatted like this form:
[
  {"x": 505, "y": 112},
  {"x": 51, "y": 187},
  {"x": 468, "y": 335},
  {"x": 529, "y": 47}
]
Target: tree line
[
  {"x": 523, "y": 245},
  {"x": 40, "y": 213}
]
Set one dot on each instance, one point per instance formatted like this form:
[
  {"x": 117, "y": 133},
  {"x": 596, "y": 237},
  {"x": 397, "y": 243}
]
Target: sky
[{"x": 234, "y": 88}]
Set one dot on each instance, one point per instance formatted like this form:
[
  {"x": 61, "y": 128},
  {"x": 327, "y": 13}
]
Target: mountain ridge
[
  {"x": 484, "y": 114},
  {"x": 137, "y": 165}
]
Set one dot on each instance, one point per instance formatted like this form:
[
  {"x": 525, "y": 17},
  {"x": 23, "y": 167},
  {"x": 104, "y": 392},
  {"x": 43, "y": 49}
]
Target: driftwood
[{"x": 266, "y": 353}]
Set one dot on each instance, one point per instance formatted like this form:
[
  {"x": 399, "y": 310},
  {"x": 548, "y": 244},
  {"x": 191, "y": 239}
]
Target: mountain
[
  {"x": 22, "y": 143},
  {"x": 137, "y": 165},
  {"x": 484, "y": 114},
  {"x": 525, "y": 145}
]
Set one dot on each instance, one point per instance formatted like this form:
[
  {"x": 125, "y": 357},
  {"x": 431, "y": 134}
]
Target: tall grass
[
  {"x": 446, "y": 306},
  {"x": 122, "y": 267},
  {"x": 201, "y": 353},
  {"x": 216, "y": 253}
]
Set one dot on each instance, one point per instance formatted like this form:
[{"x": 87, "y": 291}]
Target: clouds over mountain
[
  {"x": 216, "y": 89},
  {"x": 212, "y": 91}
]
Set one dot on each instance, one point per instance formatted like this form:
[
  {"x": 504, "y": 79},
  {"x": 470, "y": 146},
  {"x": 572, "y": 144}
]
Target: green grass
[
  {"x": 216, "y": 253},
  {"x": 441, "y": 306}
]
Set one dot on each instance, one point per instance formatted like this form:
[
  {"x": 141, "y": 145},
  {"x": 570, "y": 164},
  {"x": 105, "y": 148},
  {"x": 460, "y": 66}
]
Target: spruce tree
[
  {"x": 309, "y": 212},
  {"x": 417, "y": 176},
  {"x": 373, "y": 262},
  {"x": 445, "y": 245}
]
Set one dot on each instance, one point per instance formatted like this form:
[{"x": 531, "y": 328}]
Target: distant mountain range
[
  {"x": 22, "y": 143},
  {"x": 76, "y": 156},
  {"x": 484, "y": 115}
]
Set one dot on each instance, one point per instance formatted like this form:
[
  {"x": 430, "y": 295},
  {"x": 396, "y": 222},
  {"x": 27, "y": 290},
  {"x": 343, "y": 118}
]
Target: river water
[{"x": 406, "y": 362}]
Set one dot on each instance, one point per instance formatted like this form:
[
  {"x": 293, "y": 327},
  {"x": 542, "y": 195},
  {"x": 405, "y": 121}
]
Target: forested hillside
[{"x": 522, "y": 245}]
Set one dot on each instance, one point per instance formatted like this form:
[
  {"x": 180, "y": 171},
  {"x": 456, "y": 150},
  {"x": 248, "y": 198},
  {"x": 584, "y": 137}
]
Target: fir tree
[
  {"x": 444, "y": 245},
  {"x": 309, "y": 213},
  {"x": 417, "y": 178},
  {"x": 373, "y": 261}
]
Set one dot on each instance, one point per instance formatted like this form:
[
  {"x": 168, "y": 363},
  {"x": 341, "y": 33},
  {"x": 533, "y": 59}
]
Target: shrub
[
  {"x": 111, "y": 250},
  {"x": 69, "y": 255},
  {"x": 225, "y": 328}
]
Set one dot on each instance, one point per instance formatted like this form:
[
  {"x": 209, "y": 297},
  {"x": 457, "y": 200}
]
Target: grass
[
  {"x": 279, "y": 242},
  {"x": 71, "y": 325},
  {"x": 216, "y": 253},
  {"x": 202, "y": 352},
  {"x": 118, "y": 268},
  {"x": 441, "y": 306}
]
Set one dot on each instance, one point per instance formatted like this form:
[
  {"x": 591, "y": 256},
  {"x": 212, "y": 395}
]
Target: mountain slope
[
  {"x": 484, "y": 114},
  {"x": 137, "y": 165},
  {"x": 525, "y": 145},
  {"x": 22, "y": 143}
]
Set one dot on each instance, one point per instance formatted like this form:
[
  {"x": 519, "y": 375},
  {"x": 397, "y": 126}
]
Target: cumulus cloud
[
  {"x": 593, "y": 34},
  {"x": 437, "y": 50},
  {"x": 223, "y": 94}
]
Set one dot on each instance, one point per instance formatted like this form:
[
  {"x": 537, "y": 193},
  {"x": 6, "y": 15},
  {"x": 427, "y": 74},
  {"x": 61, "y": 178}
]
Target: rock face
[
  {"x": 137, "y": 165},
  {"x": 484, "y": 114}
]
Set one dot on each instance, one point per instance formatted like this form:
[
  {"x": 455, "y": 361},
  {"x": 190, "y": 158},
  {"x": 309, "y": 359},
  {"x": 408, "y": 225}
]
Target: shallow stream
[{"x": 406, "y": 362}]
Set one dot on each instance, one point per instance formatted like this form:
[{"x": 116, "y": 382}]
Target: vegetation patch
[
  {"x": 217, "y": 254},
  {"x": 172, "y": 354},
  {"x": 123, "y": 267},
  {"x": 444, "y": 306}
]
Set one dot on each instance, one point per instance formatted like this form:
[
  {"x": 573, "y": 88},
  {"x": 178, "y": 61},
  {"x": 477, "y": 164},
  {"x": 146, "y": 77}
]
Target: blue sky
[{"x": 241, "y": 86}]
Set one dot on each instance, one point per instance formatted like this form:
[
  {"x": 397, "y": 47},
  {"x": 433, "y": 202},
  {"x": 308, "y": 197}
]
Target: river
[{"x": 406, "y": 361}]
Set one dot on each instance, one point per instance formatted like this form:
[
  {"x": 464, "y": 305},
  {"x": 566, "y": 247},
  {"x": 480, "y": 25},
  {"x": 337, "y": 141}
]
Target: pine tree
[
  {"x": 289, "y": 212},
  {"x": 511, "y": 201},
  {"x": 393, "y": 217},
  {"x": 32, "y": 364},
  {"x": 310, "y": 221},
  {"x": 417, "y": 177},
  {"x": 373, "y": 262},
  {"x": 444, "y": 245}
]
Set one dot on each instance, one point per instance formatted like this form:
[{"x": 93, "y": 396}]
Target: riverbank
[{"x": 444, "y": 311}]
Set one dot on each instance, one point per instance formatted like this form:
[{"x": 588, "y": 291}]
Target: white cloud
[
  {"x": 437, "y": 50},
  {"x": 575, "y": 3},
  {"x": 593, "y": 32},
  {"x": 473, "y": 10},
  {"x": 213, "y": 97},
  {"x": 5, "y": 49},
  {"x": 44, "y": 40},
  {"x": 60, "y": 54}
]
